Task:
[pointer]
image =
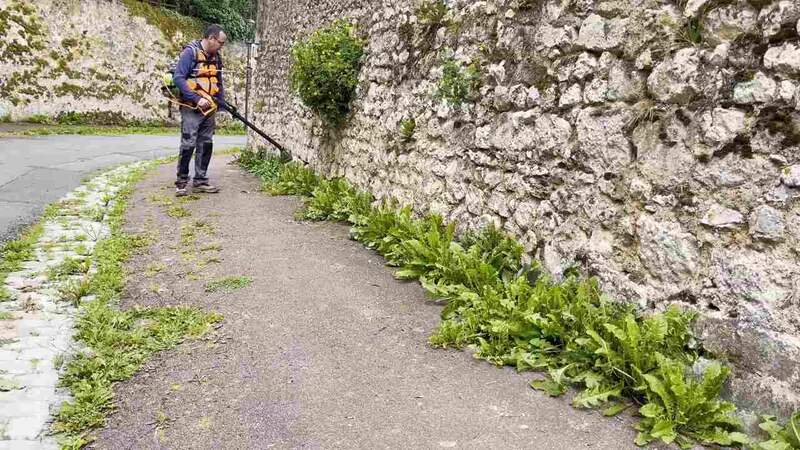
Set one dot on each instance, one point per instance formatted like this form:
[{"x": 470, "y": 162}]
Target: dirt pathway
[{"x": 325, "y": 349}]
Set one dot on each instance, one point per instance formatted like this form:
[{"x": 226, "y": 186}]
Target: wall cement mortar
[
  {"x": 601, "y": 137},
  {"x": 92, "y": 56}
]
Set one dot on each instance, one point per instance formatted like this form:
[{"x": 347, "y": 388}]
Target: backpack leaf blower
[{"x": 169, "y": 90}]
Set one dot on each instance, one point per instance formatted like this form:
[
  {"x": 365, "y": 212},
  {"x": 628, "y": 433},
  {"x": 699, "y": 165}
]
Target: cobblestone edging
[{"x": 35, "y": 341}]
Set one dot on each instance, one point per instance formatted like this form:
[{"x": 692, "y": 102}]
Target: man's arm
[{"x": 182, "y": 71}]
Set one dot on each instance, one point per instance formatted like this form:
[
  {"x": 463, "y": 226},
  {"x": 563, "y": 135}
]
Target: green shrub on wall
[
  {"x": 458, "y": 83},
  {"x": 325, "y": 70}
]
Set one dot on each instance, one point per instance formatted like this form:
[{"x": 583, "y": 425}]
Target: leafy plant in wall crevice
[
  {"x": 325, "y": 68},
  {"x": 406, "y": 129},
  {"x": 458, "y": 83}
]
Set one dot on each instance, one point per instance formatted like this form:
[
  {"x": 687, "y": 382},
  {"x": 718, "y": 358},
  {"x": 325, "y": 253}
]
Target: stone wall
[
  {"x": 651, "y": 143},
  {"x": 92, "y": 56}
]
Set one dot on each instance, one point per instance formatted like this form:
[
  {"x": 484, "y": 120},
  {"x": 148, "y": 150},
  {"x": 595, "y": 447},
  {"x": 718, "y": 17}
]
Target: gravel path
[{"x": 325, "y": 349}]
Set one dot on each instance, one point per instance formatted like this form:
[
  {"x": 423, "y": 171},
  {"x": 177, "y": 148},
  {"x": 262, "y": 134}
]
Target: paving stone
[
  {"x": 37, "y": 342},
  {"x": 47, "y": 379},
  {"x": 16, "y": 367},
  {"x": 27, "y": 445},
  {"x": 38, "y": 353},
  {"x": 8, "y": 355},
  {"x": 22, "y": 428},
  {"x": 24, "y": 409},
  {"x": 40, "y": 331},
  {"x": 13, "y": 346},
  {"x": 9, "y": 400}
]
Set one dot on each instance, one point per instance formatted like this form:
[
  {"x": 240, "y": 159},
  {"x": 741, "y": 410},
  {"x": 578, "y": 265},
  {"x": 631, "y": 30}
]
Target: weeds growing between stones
[
  {"x": 116, "y": 342},
  {"x": 14, "y": 253},
  {"x": 407, "y": 128},
  {"x": 458, "y": 83}
]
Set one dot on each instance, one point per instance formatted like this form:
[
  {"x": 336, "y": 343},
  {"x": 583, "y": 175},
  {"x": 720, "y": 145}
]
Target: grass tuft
[
  {"x": 177, "y": 212},
  {"x": 69, "y": 267},
  {"x": 228, "y": 284}
]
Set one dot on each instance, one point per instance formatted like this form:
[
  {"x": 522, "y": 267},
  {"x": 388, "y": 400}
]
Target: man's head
[{"x": 214, "y": 38}]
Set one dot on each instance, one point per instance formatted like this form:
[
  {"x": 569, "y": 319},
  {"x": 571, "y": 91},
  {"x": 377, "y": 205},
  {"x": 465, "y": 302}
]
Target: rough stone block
[
  {"x": 718, "y": 216},
  {"x": 767, "y": 223},
  {"x": 678, "y": 79},
  {"x": 784, "y": 59},
  {"x": 598, "y": 33},
  {"x": 761, "y": 89},
  {"x": 790, "y": 176}
]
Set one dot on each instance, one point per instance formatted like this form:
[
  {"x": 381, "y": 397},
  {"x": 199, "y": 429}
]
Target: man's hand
[{"x": 203, "y": 104}]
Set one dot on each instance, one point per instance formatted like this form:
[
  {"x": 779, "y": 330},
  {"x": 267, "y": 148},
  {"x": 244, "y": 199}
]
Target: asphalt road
[{"x": 36, "y": 171}]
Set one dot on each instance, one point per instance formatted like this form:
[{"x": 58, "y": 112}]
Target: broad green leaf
[
  {"x": 632, "y": 331},
  {"x": 643, "y": 438},
  {"x": 594, "y": 397},
  {"x": 721, "y": 437},
  {"x": 774, "y": 445},
  {"x": 549, "y": 386},
  {"x": 407, "y": 274},
  {"x": 665, "y": 430},
  {"x": 615, "y": 409},
  {"x": 739, "y": 438},
  {"x": 651, "y": 410},
  {"x": 770, "y": 425},
  {"x": 617, "y": 332},
  {"x": 657, "y": 387},
  {"x": 559, "y": 375},
  {"x": 590, "y": 379}
]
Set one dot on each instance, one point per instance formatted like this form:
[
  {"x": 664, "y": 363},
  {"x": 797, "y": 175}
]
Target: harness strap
[{"x": 175, "y": 100}]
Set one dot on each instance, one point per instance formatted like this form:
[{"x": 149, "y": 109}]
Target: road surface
[{"x": 36, "y": 171}]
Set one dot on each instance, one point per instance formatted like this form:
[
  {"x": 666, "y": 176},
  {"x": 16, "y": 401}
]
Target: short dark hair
[{"x": 212, "y": 30}]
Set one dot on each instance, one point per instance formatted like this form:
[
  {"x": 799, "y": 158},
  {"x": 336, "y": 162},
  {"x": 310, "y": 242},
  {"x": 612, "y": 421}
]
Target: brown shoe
[{"x": 206, "y": 189}]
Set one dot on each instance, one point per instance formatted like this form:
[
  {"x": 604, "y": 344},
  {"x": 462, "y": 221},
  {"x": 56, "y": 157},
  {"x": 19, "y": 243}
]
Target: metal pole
[{"x": 248, "y": 72}]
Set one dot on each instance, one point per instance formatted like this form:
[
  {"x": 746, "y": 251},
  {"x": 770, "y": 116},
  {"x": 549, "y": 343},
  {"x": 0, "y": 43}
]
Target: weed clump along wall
[{"x": 511, "y": 313}]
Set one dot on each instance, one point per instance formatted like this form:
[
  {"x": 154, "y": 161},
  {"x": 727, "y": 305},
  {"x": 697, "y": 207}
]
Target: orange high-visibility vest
[{"x": 204, "y": 77}]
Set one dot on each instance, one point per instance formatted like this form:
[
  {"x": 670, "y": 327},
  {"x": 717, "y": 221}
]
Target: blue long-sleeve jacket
[{"x": 184, "y": 70}]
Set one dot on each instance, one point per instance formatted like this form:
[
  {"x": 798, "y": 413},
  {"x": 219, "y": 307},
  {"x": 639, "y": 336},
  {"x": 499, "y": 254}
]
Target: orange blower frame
[{"x": 205, "y": 112}]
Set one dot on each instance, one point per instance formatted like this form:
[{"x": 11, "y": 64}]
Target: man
[{"x": 198, "y": 75}]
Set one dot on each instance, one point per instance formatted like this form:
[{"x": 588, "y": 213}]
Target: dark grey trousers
[{"x": 197, "y": 133}]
